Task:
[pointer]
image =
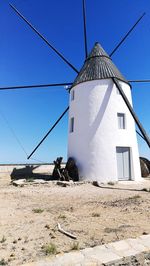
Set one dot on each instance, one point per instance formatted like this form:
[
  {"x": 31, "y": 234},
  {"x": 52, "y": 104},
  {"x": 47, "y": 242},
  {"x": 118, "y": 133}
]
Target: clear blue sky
[{"x": 25, "y": 59}]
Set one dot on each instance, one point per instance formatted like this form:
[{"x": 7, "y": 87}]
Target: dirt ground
[{"x": 29, "y": 217}]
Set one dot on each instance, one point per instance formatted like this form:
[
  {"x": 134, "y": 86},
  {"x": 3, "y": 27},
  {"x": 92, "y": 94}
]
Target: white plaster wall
[{"x": 96, "y": 134}]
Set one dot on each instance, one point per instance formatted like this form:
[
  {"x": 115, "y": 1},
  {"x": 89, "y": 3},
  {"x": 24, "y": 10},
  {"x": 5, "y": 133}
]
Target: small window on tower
[
  {"x": 121, "y": 121},
  {"x": 72, "y": 95},
  {"x": 71, "y": 124}
]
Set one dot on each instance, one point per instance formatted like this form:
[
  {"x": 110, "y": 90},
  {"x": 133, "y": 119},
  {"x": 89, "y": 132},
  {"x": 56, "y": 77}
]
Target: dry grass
[{"x": 29, "y": 216}]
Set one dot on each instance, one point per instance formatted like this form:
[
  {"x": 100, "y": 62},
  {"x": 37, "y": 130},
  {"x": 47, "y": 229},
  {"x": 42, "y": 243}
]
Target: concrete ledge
[{"x": 125, "y": 252}]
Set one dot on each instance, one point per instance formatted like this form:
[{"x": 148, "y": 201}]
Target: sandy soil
[{"x": 29, "y": 217}]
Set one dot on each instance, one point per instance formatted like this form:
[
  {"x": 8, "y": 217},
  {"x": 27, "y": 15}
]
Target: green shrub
[
  {"x": 50, "y": 249},
  {"x": 37, "y": 210}
]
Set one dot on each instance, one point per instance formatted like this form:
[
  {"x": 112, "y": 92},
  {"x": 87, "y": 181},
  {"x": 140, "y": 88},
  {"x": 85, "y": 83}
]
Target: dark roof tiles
[{"x": 98, "y": 65}]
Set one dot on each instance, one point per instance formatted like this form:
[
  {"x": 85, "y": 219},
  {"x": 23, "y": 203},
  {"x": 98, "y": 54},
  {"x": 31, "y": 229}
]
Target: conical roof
[{"x": 98, "y": 65}]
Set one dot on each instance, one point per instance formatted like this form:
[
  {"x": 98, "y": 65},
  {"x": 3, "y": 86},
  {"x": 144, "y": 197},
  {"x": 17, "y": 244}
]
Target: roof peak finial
[{"x": 97, "y": 51}]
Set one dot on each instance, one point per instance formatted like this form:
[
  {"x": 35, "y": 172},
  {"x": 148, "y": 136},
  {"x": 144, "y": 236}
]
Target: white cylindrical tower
[{"x": 102, "y": 137}]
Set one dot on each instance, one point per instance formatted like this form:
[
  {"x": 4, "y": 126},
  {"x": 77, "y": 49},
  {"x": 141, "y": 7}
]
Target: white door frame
[{"x": 123, "y": 158}]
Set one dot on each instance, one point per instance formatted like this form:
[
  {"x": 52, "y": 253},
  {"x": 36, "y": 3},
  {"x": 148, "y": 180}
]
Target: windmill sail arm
[
  {"x": 85, "y": 32},
  {"x": 140, "y": 81},
  {"x": 55, "y": 124},
  {"x": 146, "y": 138},
  {"x": 44, "y": 39},
  {"x": 127, "y": 34},
  {"x": 36, "y": 86},
  {"x": 140, "y": 134}
]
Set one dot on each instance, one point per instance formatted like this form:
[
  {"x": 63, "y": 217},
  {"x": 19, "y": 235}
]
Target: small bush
[
  {"x": 3, "y": 239},
  {"x": 75, "y": 246},
  {"x": 62, "y": 216},
  {"x": 95, "y": 214},
  {"x": 37, "y": 210},
  {"x": 50, "y": 249},
  {"x": 3, "y": 262}
]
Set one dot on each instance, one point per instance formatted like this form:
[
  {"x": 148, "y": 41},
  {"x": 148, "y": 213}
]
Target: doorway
[{"x": 123, "y": 163}]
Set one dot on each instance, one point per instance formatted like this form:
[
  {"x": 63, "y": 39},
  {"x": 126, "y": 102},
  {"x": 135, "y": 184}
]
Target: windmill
[{"x": 113, "y": 75}]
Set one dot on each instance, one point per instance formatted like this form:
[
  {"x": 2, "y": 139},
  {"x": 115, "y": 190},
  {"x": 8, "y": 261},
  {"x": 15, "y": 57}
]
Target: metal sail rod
[
  {"x": 139, "y": 134},
  {"x": 140, "y": 81},
  {"x": 85, "y": 32},
  {"x": 49, "y": 132},
  {"x": 127, "y": 34},
  {"x": 44, "y": 39},
  {"x": 146, "y": 138},
  {"x": 35, "y": 86}
]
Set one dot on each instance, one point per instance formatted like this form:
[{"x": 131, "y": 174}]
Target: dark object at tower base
[
  {"x": 72, "y": 169},
  {"x": 145, "y": 167},
  {"x": 70, "y": 172}
]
